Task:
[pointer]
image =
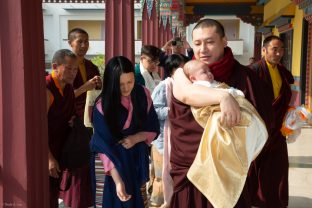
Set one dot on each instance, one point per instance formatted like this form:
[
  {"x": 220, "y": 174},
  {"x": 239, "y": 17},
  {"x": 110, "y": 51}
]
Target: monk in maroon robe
[
  {"x": 61, "y": 108},
  {"x": 91, "y": 72},
  {"x": 88, "y": 76},
  {"x": 79, "y": 194},
  {"x": 268, "y": 176},
  {"x": 210, "y": 46}
]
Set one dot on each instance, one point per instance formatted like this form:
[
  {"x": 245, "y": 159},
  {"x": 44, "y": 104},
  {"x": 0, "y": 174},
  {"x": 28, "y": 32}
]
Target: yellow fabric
[
  {"x": 276, "y": 79},
  {"x": 224, "y": 155},
  {"x": 57, "y": 83},
  {"x": 83, "y": 72}
]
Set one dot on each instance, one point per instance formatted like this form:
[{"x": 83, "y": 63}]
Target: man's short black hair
[
  {"x": 73, "y": 32},
  {"x": 204, "y": 23},
  {"x": 59, "y": 56},
  {"x": 151, "y": 51},
  {"x": 268, "y": 39}
]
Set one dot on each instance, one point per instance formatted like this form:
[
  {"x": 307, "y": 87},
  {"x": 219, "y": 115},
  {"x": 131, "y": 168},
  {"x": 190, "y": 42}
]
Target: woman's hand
[
  {"x": 120, "y": 186},
  {"x": 121, "y": 191},
  {"x": 131, "y": 140},
  {"x": 54, "y": 168},
  {"x": 230, "y": 111}
]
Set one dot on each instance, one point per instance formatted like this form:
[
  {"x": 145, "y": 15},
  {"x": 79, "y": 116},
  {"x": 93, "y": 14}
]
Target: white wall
[
  {"x": 246, "y": 39},
  {"x": 247, "y": 33},
  {"x": 57, "y": 15}
]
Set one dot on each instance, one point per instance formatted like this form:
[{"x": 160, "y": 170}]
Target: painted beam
[
  {"x": 218, "y": 10},
  {"x": 220, "y": 2}
]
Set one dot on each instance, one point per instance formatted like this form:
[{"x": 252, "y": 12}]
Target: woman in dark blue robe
[{"x": 125, "y": 122}]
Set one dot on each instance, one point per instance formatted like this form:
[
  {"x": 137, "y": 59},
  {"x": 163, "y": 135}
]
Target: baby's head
[{"x": 197, "y": 71}]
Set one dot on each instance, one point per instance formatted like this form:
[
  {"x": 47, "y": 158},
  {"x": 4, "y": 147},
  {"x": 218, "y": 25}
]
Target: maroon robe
[
  {"x": 268, "y": 175},
  {"x": 60, "y": 112},
  {"x": 186, "y": 135},
  {"x": 91, "y": 71},
  {"x": 79, "y": 194}
]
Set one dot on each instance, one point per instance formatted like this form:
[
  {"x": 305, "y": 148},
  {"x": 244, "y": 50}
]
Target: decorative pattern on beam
[
  {"x": 73, "y": 1},
  {"x": 265, "y": 29},
  {"x": 306, "y": 6},
  {"x": 281, "y": 20},
  {"x": 190, "y": 19},
  {"x": 78, "y": 1},
  {"x": 219, "y": 9},
  {"x": 254, "y": 19},
  {"x": 224, "y": 9}
]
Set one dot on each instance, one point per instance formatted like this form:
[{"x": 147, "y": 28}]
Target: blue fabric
[
  {"x": 132, "y": 164},
  {"x": 139, "y": 79},
  {"x": 160, "y": 104}
]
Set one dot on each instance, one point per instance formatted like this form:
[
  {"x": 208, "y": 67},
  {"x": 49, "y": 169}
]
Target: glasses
[{"x": 156, "y": 62}]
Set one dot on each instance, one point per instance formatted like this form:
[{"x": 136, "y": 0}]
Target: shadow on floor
[
  {"x": 300, "y": 161},
  {"x": 299, "y": 202}
]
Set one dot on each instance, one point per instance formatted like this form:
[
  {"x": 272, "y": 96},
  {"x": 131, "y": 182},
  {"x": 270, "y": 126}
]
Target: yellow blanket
[{"x": 220, "y": 167}]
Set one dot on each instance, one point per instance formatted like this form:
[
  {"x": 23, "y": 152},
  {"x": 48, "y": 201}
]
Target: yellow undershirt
[
  {"x": 276, "y": 79},
  {"x": 57, "y": 84},
  {"x": 83, "y": 72}
]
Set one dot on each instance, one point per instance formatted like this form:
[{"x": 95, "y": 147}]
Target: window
[
  {"x": 139, "y": 30},
  {"x": 95, "y": 28}
]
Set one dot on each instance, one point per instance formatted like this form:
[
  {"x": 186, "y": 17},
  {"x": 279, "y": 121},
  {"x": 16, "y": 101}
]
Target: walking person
[
  {"x": 125, "y": 123},
  {"x": 210, "y": 47},
  {"x": 268, "y": 176},
  {"x": 87, "y": 78},
  {"x": 61, "y": 109}
]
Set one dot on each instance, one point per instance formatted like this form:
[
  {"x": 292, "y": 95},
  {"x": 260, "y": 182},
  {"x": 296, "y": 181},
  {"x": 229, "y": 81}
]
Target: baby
[
  {"x": 199, "y": 73},
  {"x": 224, "y": 153}
]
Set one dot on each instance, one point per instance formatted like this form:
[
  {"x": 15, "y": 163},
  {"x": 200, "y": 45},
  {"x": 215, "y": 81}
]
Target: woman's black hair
[
  {"x": 173, "y": 62},
  {"x": 111, "y": 95}
]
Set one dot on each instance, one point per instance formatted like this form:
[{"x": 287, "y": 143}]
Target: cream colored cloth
[
  {"x": 91, "y": 96},
  {"x": 221, "y": 165},
  {"x": 151, "y": 81}
]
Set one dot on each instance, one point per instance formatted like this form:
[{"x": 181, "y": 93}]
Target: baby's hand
[{"x": 121, "y": 192}]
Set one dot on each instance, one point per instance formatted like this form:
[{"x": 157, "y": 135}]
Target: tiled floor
[{"x": 300, "y": 171}]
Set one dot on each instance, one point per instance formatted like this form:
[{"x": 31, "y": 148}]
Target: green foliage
[{"x": 99, "y": 62}]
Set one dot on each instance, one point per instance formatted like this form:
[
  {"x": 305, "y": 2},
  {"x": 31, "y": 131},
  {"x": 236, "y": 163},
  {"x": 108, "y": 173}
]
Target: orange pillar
[
  {"x": 119, "y": 29},
  {"x": 23, "y": 121}
]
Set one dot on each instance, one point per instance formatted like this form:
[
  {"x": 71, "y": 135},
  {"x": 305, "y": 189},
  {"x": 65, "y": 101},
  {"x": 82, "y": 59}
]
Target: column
[
  {"x": 155, "y": 26},
  {"x": 145, "y": 22},
  {"x": 161, "y": 34},
  {"x": 150, "y": 25},
  {"x": 119, "y": 29},
  {"x": 23, "y": 114},
  {"x": 257, "y": 46}
]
